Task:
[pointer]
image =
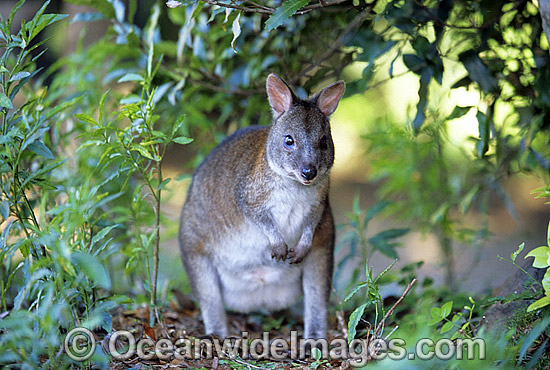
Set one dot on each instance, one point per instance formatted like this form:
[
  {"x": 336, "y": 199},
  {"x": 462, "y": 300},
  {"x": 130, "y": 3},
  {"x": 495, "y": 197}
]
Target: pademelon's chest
[{"x": 290, "y": 208}]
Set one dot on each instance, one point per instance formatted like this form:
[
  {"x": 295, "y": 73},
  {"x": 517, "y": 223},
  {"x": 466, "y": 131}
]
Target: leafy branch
[{"x": 259, "y": 8}]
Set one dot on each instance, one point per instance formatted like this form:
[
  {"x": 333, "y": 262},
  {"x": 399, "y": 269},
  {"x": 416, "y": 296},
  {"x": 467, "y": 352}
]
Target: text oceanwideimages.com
[{"x": 80, "y": 345}]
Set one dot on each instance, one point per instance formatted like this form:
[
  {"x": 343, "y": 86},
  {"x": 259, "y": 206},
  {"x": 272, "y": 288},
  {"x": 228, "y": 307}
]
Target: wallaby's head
[{"x": 300, "y": 144}]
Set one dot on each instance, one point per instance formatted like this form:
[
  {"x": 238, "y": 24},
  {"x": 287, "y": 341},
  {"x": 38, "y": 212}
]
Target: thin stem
[
  {"x": 259, "y": 8},
  {"x": 390, "y": 312},
  {"x": 242, "y": 8},
  {"x": 259, "y": 5},
  {"x": 521, "y": 268},
  {"x": 157, "y": 241}
]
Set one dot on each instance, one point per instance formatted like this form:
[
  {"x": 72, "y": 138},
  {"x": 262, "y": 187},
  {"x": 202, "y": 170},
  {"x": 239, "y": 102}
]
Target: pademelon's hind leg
[
  {"x": 204, "y": 279},
  {"x": 317, "y": 278}
]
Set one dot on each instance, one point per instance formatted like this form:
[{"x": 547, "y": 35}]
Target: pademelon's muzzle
[{"x": 308, "y": 173}]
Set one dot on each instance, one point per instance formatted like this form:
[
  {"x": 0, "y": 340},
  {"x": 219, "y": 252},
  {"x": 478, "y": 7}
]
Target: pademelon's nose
[{"x": 309, "y": 172}]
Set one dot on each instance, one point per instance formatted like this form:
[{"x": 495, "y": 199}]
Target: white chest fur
[
  {"x": 250, "y": 278},
  {"x": 290, "y": 209}
]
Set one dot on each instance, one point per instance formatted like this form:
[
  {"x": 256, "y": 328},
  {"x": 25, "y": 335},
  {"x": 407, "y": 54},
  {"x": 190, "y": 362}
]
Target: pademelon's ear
[
  {"x": 328, "y": 99},
  {"x": 279, "y": 94}
]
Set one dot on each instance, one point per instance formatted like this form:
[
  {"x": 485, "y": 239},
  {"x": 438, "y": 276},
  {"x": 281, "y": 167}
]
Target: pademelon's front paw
[
  {"x": 297, "y": 254},
  {"x": 279, "y": 251}
]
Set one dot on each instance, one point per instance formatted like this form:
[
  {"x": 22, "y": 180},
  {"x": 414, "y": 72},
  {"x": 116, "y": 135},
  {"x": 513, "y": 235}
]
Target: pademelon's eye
[
  {"x": 289, "y": 141},
  {"x": 323, "y": 143}
]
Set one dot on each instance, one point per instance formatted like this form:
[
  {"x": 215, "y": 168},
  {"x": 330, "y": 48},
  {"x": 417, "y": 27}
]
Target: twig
[
  {"x": 241, "y": 8},
  {"x": 259, "y": 8},
  {"x": 321, "y": 4},
  {"x": 337, "y": 44},
  {"x": 389, "y": 313},
  {"x": 391, "y": 332},
  {"x": 259, "y": 5},
  {"x": 243, "y": 362},
  {"x": 340, "y": 314}
]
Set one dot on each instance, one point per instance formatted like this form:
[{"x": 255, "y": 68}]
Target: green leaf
[
  {"x": 92, "y": 268},
  {"x": 5, "y": 212},
  {"x": 22, "y": 82},
  {"x": 384, "y": 246},
  {"x": 40, "y": 172},
  {"x": 13, "y": 12},
  {"x": 316, "y": 352},
  {"x": 546, "y": 282},
  {"x": 103, "y": 6},
  {"x": 121, "y": 299},
  {"x": 354, "y": 320},
  {"x": 102, "y": 105},
  {"x": 19, "y": 76},
  {"x": 282, "y": 13},
  {"x": 458, "y": 112},
  {"x": 414, "y": 63},
  {"x": 236, "y": 29},
  {"x": 87, "y": 17},
  {"x": 45, "y": 20},
  {"x": 163, "y": 184},
  {"x": 130, "y": 99},
  {"x": 143, "y": 151},
  {"x": 434, "y": 320},
  {"x": 484, "y": 133},
  {"x": 478, "y": 71},
  {"x": 541, "y": 255},
  {"x": 40, "y": 149},
  {"x": 543, "y": 302},
  {"x": 182, "y": 140},
  {"x": 446, "y": 309},
  {"x": 466, "y": 201},
  {"x": 421, "y": 45},
  {"x": 62, "y": 106},
  {"x": 130, "y": 77},
  {"x": 535, "y": 357},
  {"x": 5, "y": 102},
  {"x": 385, "y": 270},
  {"x": 85, "y": 118},
  {"x": 533, "y": 335},
  {"x": 374, "y": 210},
  {"x": 435, "y": 314},
  {"x": 446, "y": 327},
  {"x": 4, "y": 235},
  {"x": 391, "y": 234},
  {"x": 425, "y": 78},
  {"x": 101, "y": 234},
  {"x": 178, "y": 124},
  {"x": 372, "y": 46},
  {"x": 357, "y": 288},
  {"x": 515, "y": 254},
  {"x": 356, "y": 208},
  {"x": 36, "y": 135},
  {"x": 198, "y": 8}
]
